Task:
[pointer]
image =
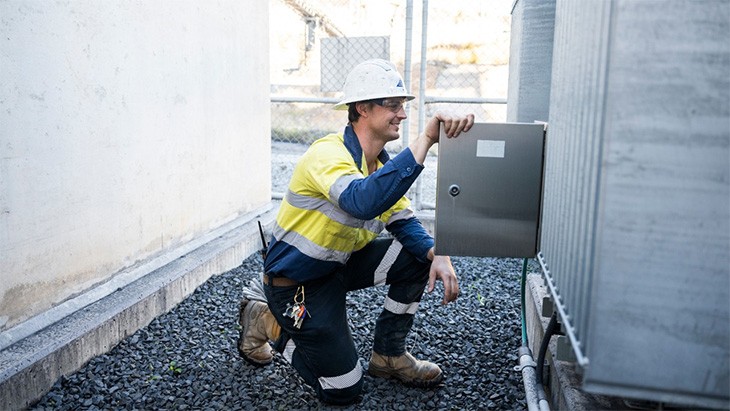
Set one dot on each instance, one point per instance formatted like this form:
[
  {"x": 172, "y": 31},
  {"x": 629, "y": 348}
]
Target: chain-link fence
[{"x": 455, "y": 51}]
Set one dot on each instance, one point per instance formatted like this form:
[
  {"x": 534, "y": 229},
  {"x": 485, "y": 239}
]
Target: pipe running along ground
[{"x": 532, "y": 373}]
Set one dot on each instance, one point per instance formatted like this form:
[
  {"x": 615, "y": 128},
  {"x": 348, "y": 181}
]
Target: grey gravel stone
[{"x": 187, "y": 359}]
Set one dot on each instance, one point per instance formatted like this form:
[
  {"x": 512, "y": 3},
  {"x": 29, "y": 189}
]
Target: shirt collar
[{"x": 353, "y": 146}]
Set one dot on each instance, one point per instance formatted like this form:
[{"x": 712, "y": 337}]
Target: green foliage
[
  {"x": 174, "y": 368},
  {"x": 480, "y": 298}
]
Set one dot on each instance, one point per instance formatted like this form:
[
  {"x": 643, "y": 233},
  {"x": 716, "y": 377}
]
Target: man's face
[{"x": 387, "y": 115}]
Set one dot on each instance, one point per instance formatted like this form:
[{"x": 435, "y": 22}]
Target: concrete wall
[{"x": 127, "y": 129}]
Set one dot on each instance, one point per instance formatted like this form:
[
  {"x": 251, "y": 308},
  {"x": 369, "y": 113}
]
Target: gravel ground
[{"x": 187, "y": 359}]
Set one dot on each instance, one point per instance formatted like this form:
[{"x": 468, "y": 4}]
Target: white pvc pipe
[{"x": 527, "y": 367}]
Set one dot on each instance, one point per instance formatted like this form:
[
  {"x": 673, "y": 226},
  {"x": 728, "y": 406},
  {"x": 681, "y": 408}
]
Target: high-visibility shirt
[{"x": 334, "y": 207}]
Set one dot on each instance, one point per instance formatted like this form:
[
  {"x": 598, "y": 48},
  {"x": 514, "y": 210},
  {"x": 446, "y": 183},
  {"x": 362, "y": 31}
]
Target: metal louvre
[
  {"x": 573, "y": 162},
  {"x": 635, "y": 240}
]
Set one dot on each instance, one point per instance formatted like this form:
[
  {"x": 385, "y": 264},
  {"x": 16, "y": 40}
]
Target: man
[{"x": 344, "y": 191}]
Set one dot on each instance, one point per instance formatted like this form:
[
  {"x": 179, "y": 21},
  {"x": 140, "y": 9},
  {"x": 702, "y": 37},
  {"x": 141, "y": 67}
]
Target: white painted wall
[{"x": 127, "y": 128}]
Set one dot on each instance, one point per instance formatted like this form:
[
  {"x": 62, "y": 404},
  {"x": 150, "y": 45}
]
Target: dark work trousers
[{"x": 322, "y": 350}]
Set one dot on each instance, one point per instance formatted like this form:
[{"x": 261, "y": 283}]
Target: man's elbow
[{"x": 361, "y": 213}]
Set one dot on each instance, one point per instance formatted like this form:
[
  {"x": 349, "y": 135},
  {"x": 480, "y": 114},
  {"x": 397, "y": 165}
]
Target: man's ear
[{"x": 362, "y": 108}]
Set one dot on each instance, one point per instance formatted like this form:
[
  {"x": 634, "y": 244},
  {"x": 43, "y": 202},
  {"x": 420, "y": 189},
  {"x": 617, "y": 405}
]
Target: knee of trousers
[
  {"x": 341, "y": 396},
  {"x": 422, "y": 271},
  {"x": 407, "y": 293}
]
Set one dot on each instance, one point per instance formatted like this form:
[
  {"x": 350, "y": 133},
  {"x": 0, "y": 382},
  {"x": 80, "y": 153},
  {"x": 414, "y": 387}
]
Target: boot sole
[
  {"x": 384, "y": 373},
  {"x": 244, "y": 325}
]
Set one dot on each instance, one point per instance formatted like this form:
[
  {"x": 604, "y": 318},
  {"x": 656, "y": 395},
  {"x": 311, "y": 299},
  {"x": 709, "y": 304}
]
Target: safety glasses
[{"x": 393, "y": 104}]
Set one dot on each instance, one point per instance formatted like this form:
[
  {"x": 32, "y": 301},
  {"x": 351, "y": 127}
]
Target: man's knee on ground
[{"x": 342, "y": 396}]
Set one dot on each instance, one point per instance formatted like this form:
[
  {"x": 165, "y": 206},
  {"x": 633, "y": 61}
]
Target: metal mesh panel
[
  {"x": 315, "y": 43},
  {"x": 342, "y": 54}
]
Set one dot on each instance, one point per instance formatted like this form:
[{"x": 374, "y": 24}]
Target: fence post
[
  {"x": 407, "y": 69},
  {"x": 418, "y": 200}
]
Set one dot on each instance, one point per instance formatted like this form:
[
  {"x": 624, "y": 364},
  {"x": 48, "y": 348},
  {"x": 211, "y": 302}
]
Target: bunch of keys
[{"x": 297, "y": 311}]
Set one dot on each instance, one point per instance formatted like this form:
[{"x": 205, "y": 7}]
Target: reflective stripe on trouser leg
[
  {"x": 322, "y": 350},
  {"x": 327, "y": 383},
  {"x": 289, "y": 350},
  {"x": 381, "y": 273},
  {"x": 407, "y": 278},
  {"x": 399, "y": 308}
]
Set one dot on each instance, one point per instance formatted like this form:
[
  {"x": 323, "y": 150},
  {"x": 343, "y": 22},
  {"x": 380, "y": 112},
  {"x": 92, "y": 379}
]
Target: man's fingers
[
  {"x": 450, "y": 127},
  {"x": 451, "y": 289},
  {"x": 442, "y": 269},
  {"x": 470, "y": 118},
  {"x": 453, "y": 126},
  {"x": 466, "y": 123}
]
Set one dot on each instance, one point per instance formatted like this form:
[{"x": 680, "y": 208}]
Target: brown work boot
[
  {"x": 258, "y": 326},
  {"x": 405, "y": 368}
]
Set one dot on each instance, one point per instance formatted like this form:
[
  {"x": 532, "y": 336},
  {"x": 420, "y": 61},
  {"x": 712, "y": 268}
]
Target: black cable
[{"x": 549, "y": 331}]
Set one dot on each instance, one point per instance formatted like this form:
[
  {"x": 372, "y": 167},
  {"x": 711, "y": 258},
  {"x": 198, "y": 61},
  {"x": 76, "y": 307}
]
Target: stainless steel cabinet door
[{"x": 489, "y": 191}]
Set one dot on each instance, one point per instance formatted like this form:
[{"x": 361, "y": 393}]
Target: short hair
[{"x": 352, "y": 114}]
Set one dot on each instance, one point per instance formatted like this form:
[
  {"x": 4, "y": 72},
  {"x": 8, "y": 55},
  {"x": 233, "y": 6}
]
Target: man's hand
[
  {"x": 442, "y": 269},
  {"x": 453, "y": 126}
]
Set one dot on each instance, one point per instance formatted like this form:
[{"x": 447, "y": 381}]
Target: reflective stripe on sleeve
[
  {"x": 341, "y": 184},
  {"x": 374, "y": 226},
  {"x": 323, "y": 206},
  {"x": 381, "y": 273},
  {"x": 342, "y": 381},
  {"x": 399, "y": 308},
  {"x": 401, "y": 215}
]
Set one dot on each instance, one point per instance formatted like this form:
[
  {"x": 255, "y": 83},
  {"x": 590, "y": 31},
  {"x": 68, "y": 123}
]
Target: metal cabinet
[{"x": 489, "y": 190}]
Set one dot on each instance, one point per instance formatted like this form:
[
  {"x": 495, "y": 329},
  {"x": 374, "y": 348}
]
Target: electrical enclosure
[{"x": 489, "y": 189}]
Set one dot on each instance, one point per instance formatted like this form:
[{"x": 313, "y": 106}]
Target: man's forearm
[{"x": 419, "y": 147}]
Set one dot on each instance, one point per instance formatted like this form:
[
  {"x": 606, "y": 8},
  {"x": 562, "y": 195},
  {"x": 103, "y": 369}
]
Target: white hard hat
[{"x": 373, "y": 79}]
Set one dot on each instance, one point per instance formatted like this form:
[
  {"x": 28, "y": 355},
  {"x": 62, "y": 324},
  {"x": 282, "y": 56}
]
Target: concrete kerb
[{"x": 30, "y": 366}]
